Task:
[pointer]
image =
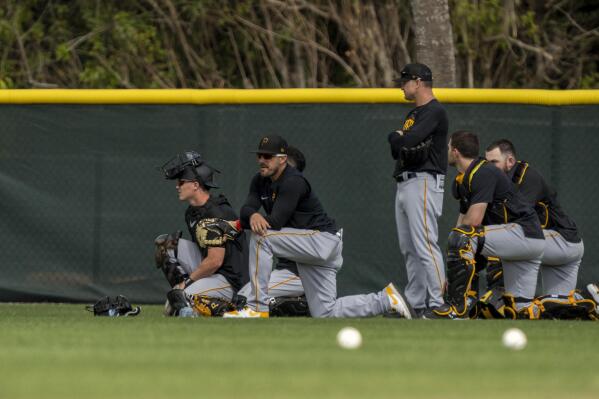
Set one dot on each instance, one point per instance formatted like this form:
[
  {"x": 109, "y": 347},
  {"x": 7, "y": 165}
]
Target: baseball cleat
[
  {"x": 399, "y": 304},
  {"x": 593, "y": 290},
  {"x": 245, "y": 313}
]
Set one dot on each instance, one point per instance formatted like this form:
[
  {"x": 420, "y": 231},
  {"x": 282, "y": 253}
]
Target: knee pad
[
  {"x": 532, "y": 311},
  {"x": 573, "y": 306},
  {"x": 210, "y": 306},
  {"x": 289, "y": 307},
  {"x": 461, "y": 268},
  {"x": 494, "y": 274},
  {"x": 166, "y": 247},
  {"x": 174, "y": 272},
  {"x": 177, "y": 300},
  {"x": 491, "y": 305},
  {"x": 239, "y": 301}
]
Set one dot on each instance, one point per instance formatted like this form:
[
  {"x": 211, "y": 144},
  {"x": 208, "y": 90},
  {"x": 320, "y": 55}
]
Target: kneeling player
[
  {"x": 494, "y": 221},
  {"x": 203, "y": 277},
  {"x": 563, "y": 245},
  {"x": 285, "y": 289}
]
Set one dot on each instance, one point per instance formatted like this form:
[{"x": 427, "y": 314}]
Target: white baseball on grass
[
  {"x": 349, "y": 338},
  {"x": 514, "y": 338}
]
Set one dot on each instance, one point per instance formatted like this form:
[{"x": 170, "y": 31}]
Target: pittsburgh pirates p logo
[{"x": 408, "y": 124}]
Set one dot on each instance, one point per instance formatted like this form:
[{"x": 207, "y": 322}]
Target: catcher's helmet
[{"x": 190, "y": 165}]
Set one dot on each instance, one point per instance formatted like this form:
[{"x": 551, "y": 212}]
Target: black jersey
[
  {"x": 288, "y": 202},
  {"x": 485, "y": 183},
  {"x": 428, "y": 121},
  {"x": 218, "y": 207},
  {"x": 539, "y": 194}
]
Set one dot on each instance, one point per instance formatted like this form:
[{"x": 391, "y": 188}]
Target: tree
[{"x": 434, "y": 39}]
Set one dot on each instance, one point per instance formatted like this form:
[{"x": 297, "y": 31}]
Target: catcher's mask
[{"x": 190, "y": 166}]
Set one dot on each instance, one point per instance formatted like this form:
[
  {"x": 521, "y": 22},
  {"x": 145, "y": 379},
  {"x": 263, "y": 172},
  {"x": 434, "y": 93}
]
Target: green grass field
[{"x": 62, "y": 351}]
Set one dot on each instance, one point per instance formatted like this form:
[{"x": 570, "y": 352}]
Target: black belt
[{"x": 400, "y": 178}]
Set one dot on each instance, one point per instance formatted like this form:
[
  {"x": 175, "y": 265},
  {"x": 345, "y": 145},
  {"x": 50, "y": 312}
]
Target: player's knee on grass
[
  {"x": 490, "y": 304},
  {"x": 289, "y": 307},
  {"x": 177, "y": 300},
  {"x": 573, "y": 306},
  {"x": 520, "y": 308}
]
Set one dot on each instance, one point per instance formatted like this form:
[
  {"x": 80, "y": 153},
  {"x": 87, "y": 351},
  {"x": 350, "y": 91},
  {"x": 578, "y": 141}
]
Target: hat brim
[
  {"x": 401, "y": 81},
  {"x": 266, "y": 152},
  {"x": 186, "y": 174}
]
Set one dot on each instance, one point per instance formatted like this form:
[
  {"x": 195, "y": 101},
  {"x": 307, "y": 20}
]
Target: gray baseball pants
[
  {"x": 520, "y": 257},
  {"x": 418, "y": 205},
  {"x": 282, "y": 283},
  {"x": 216, "y": 285},
  {"x": 560, "y": 263},
  {"x": 318, "y": 257}
]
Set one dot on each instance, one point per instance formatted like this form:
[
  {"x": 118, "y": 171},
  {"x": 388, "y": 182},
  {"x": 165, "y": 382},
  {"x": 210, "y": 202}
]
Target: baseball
[
  {"x": 349, "y": 338},
  {"x": 514, "y": 338}
]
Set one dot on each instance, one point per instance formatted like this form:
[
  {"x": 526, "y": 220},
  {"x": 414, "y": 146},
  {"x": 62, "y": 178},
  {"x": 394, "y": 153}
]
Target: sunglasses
[{"x": 267, "y": 157}]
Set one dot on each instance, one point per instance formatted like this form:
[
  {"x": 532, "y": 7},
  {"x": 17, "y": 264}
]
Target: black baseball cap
[
  {"x": 413, "y": 72},
  {"x": 272, "y": 145}
]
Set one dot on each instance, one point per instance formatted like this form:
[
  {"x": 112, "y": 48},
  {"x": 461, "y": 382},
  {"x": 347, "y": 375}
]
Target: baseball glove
[
  {"x": 209, "y": 306},
  {"x": 113, "y": 307},
  {"x": 215, "y": 232},
  {"x": 416, "y": 156}
]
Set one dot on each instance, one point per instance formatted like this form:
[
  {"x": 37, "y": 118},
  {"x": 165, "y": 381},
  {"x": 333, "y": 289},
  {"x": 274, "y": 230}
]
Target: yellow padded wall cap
[{"x": 290, "y": 96}]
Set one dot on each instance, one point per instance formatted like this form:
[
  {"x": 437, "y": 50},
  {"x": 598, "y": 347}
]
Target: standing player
[
  {"x": 563, "y": 245},
  {"x": 420, "y": 151},
  {"x": 296, "y": 227},
  {"x": 211, "y": 275},
  {"x": 494, "y": 221}
]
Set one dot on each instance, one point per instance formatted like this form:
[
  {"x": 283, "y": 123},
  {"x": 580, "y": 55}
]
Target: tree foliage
[{"x": 288, "y": 43}]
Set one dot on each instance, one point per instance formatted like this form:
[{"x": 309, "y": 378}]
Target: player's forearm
[
  {"x": 474, "y": 217},
  {"x": 396, "y": 140},
  {"x": 245, "y": 214},
  {"x": 251, "y": 205},
  {"x": 282, "y": 212},
  {"x": 207, "y": 268}
]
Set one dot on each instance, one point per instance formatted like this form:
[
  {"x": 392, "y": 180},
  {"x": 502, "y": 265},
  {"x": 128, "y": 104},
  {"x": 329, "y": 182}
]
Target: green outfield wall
[{"x": 82, "y": 199}]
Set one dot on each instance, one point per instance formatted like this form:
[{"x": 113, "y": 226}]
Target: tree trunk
[{"x": 434, "y": 40}]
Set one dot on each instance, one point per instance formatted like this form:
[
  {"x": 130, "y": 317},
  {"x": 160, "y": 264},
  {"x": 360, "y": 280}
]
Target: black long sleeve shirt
[
  {"x": 422, "y": 122},
  {"x": 288, "y": 202}
]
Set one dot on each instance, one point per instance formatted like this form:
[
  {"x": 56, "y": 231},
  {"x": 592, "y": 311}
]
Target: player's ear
[{"x": 511, "y": 161}]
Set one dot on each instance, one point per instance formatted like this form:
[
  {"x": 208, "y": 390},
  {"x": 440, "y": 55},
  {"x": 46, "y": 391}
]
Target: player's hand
[
  {"x": 179, "y": 286},
  {"x": 258, "y": 224},
  {"x": 400, "y": 132}
]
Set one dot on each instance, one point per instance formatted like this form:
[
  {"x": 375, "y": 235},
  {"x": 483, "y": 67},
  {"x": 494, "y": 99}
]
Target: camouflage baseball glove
[{"x": 215, "y": 232}]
